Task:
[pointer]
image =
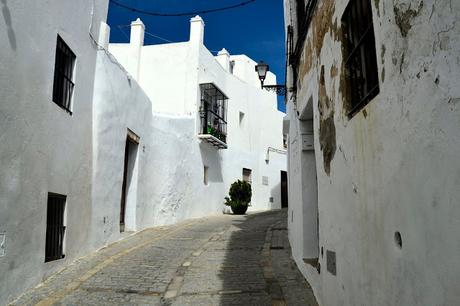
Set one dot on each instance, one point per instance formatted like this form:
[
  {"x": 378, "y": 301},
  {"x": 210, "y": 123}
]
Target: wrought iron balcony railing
[{"x": 213, "y": 115}]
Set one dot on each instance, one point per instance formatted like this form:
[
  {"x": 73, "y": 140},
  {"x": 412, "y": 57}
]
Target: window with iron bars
[
  {"x": 55, "y": 228},
  {"x": 213, "y": 112},
  {"x": 360, "y": 55},
  {"x": 63, "y": 75}
]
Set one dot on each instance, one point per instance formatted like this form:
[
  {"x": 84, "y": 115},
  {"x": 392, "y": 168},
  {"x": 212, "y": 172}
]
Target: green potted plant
[{"x": 239, "y": 199}]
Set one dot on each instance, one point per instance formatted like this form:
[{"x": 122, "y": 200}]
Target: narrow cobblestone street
[{"x": 222, "y": 260}]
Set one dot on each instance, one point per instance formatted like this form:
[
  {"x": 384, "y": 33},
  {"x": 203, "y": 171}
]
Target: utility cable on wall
[{"x": 133, "y": 9}]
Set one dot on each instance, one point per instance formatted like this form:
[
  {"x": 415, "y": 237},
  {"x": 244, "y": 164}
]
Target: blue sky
[{"x": 256, "y": 29}]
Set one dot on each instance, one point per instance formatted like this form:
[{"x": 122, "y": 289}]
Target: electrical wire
[
  {"x": 133, "y": 9},
  {"x": 123, "y": 32},
  {"x": 158, "y": 37},
  {"x": 121, "y": 26}
]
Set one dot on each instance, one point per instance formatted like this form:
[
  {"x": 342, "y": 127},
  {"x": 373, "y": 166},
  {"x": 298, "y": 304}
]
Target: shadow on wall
[
  {"x": 211, "y": 158},
  {"x": 275, "y": 193},
  {"x": 7, "y": 18}
]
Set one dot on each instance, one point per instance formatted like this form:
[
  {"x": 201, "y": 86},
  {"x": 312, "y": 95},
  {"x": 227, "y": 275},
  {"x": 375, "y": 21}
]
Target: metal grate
[
  {"x": 55, "y": 228},
  {"x": 63, "y": 75},
  {"x": 213, "y": 112},
  {"x": 361, "y": 57}
]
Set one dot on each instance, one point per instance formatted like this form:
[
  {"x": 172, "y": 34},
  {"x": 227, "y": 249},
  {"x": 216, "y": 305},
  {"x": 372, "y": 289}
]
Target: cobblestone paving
[{"x": 224, "y": 260}]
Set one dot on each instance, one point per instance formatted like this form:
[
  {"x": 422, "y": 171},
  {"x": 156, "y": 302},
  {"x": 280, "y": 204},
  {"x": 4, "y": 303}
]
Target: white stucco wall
[
  {"x": 395, "y": 163},
  {"x": 170, "y": 160},
  {"x": 44, "y": 149},
  {"x": 156, "y": 96},
  {"x": 170, "y": 75}
]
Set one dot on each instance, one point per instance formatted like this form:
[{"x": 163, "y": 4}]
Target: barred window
[
  {"x": 360, "y": 54},
  {"x": 213, "y": 112},
  {"x": 63, "y": 75},
  {"x": 55, "y": 228}
]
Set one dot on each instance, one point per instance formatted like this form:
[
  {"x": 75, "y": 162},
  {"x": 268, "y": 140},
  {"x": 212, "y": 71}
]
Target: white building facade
[
  {"x": 374, "y": 142},
  {"x": 99, "y": 144}
]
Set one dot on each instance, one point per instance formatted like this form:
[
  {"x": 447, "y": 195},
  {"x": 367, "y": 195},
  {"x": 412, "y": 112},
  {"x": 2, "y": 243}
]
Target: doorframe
[
  {"x": 284, "y": 192},
  {"x": 131, "y": 139}
]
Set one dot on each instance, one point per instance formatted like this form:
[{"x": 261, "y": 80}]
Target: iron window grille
[
  {"x": 63, "y": 75},
  {"x": 55, "y": 228},
  {"x": 360, "y": 54},
  {"x": 213, "y": 112}
]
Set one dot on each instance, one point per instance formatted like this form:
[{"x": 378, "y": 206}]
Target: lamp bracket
[{"x": 280, "y": 90}]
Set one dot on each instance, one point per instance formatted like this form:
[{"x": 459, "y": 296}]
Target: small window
[
  {"x": 360, "y": 55},
  {"x": 205, "y": 175},
  {"x": 55, "y": 228},
  {"x": 265, "y": 180},
  {"x": 241, "y": 119},
  {"x": 247, "y": 175},
  {"x": 232, "y": 65},
  {"x": 63, "y": 75},
  {"x": 285, "y": 141}
]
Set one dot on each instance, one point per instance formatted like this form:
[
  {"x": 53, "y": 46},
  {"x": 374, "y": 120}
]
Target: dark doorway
[
  {"x": 284, "y": 189},
  {"x": 132, "y": 141}
]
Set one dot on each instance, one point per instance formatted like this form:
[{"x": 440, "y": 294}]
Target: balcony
[{"x": 213, "y": 116}]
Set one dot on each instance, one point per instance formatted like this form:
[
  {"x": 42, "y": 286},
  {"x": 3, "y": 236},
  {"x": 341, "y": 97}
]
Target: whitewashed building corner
[{"x": 374, "y": 141}]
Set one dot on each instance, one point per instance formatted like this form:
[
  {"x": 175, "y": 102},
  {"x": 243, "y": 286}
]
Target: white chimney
[
  {"x": 137, "y": 33},
  {"x": 136, "y": 43},
  {"x": 104, "y": 35},
  {"x": 197, "y": 30},
  {"x": 223, "y": 57}
]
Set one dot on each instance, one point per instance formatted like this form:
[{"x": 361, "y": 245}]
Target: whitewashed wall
[
  {"x": 170, "y": 75},
  {"x": 394, "y": 165},
  {"x": 47, "y": 150},
  {"x": 43, "y": 148}
]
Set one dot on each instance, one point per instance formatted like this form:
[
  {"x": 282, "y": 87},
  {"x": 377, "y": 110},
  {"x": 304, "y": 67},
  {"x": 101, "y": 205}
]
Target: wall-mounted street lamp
[{"x": 262, "y": 69}]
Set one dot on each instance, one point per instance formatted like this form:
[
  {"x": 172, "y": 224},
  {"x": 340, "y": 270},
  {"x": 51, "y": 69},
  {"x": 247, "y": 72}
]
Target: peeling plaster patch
[
  {"x": 327, "y": 141},
  {"x": 454, "y": 102},
  {"x": 343, "y": 154},
  {"x": 327, "y": 134},
  {"x": 344, "y": 90},
  {"x": 334, "y": 71},
  {"x": 382, "y": 53},
  {"x": 306, "y": 61},
  {"x": 365, "y": 113},
  {"x": 321, "y": 24},
  {"x": 355, "y": 188},
  {"x": 382, "y": 57},
  {"x": 377, "y": 4},
  {"x": 402, "y": 62},
  {"x": 403, "y": 17}
]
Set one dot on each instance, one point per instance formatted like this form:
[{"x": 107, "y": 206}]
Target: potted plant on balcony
[{"x": 240, "y": 197}]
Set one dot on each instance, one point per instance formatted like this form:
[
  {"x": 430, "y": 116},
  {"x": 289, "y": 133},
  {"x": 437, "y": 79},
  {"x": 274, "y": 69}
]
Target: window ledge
[
  {"x": 314, "y": 262},
  {"x": 213, "y": 141}
]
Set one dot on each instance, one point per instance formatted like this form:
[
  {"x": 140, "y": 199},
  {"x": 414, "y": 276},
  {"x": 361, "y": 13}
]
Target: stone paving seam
[
  {"x": 56, "y": 297},
  {"x": 174, "y": 287},
  {"x": 273, "y": 287}
]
